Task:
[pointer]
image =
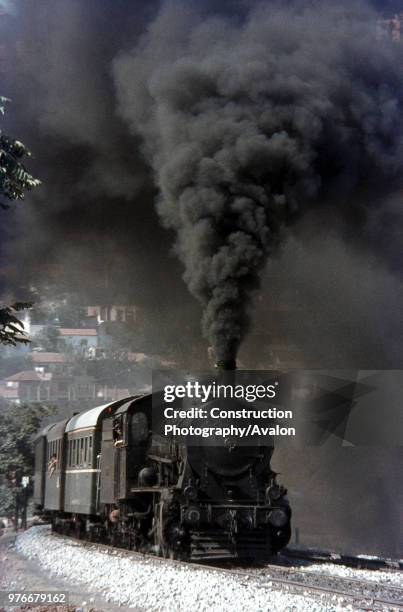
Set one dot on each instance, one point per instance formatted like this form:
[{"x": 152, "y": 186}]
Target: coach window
[
  {"x": 85, "y": 450},
  {"x": 118, "y": 430},
  {"x": 90, "y": 451}
]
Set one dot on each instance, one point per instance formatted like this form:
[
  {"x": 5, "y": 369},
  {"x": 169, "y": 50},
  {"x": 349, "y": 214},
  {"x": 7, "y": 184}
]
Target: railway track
[
  {"x": 372, "y": 590},
  {"x": 362, "y": 562},
  {"x": 362, "y": 594}
]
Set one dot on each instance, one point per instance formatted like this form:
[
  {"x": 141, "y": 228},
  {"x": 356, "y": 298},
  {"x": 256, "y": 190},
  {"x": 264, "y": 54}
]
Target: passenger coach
[{"x": 66, "y": 462}]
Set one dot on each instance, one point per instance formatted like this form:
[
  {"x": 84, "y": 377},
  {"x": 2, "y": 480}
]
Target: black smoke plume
[{"x": 248, "y": 122}]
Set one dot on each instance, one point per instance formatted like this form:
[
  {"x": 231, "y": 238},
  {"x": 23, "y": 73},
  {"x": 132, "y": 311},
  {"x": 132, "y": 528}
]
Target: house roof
[
  {"x": 39, "y": 357},
  {"x": 84, "y": 331},
  {"x": 28, "y": 376}
]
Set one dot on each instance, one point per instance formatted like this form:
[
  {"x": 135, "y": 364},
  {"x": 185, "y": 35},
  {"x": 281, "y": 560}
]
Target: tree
[
  {"x": 11, "y": 328},
  {"x": 14, "y": 181},
  {"x": 48, "y": 339},
  {"x": 18, "y": 425},
  {"x": 14, "y": 177}
]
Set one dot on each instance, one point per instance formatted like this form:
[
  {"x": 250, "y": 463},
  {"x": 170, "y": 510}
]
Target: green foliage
[
  {"x": 14, "y": 181},
  {"x": 14, "y": 177},
  {"x": 11, "y": 328},
  {"x": 48, "y": 339},
  {"x": 18, "y": 426}
]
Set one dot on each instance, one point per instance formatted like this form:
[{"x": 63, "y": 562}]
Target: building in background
[
  {"x": 51, "y": 362},
  {"x": 105, "y": 314},
  {"x": 80, "y": 339},
  {"x": 47, "y": 387}
]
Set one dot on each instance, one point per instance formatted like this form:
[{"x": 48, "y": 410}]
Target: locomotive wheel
[
  {"x": 161, "y": 545},
  {"x": 280, "y": 540}
]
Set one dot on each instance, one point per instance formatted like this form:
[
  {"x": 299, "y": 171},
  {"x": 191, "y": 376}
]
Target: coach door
[{"x": 108, "y": 455}]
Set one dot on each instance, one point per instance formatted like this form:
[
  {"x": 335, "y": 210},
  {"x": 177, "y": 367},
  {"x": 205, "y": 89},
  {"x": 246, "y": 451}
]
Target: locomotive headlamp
[
  {"x": 277, "y": 517},
  {"x": 192, "y": 515},
  {"x": 190, "y": 492}
]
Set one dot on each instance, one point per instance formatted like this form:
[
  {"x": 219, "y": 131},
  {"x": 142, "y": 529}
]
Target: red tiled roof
[
  {"x": 25, "y": 375},
  {"x": 39, "y": 357},
  {"x": 78, "y": 332},
  {"x": 28, "y": 376}
]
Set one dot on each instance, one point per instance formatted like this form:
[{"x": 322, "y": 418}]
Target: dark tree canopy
[
  {"x": 18, "y": 425},
  {"x": 15, "y": 180}
]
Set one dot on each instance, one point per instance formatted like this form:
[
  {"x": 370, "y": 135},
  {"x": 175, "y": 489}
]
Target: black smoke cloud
[
  {"x": 241, "y": 115},
  {"x": 247, "y": 124}
]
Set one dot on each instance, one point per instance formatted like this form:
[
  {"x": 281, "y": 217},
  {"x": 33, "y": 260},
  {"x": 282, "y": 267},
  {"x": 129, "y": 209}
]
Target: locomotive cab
[{"x": 142, "y": 460}]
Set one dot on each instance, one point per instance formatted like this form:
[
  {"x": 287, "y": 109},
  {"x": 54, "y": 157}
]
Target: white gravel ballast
[{"x": 153, "y": 585}]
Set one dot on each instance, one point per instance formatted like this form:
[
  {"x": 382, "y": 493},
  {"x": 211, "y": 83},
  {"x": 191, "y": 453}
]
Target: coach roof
[
  {"x": 90, "y": 418},
  {"x": 133, "y": 400},
  {"x": 57, "y": 431},
  {"x": 44, "y": 431}
]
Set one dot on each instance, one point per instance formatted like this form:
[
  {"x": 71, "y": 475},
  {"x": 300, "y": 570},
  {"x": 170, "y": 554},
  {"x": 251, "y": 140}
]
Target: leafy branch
[
  {"x": 14, "y": 181},
  {"x": 12, "y": 330},
  {"x": 14, "y": 177}
]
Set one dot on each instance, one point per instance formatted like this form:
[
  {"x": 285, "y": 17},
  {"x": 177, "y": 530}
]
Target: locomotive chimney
[{"x": 226, "y": 364}]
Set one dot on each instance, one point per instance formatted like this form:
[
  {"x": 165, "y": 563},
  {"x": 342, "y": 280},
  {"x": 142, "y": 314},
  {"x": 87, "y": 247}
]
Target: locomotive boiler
[{"x": 107, "y": 475}]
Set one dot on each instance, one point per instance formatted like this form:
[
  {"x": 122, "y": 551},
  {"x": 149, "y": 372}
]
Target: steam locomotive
[{"x": 106, "y": 476}]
